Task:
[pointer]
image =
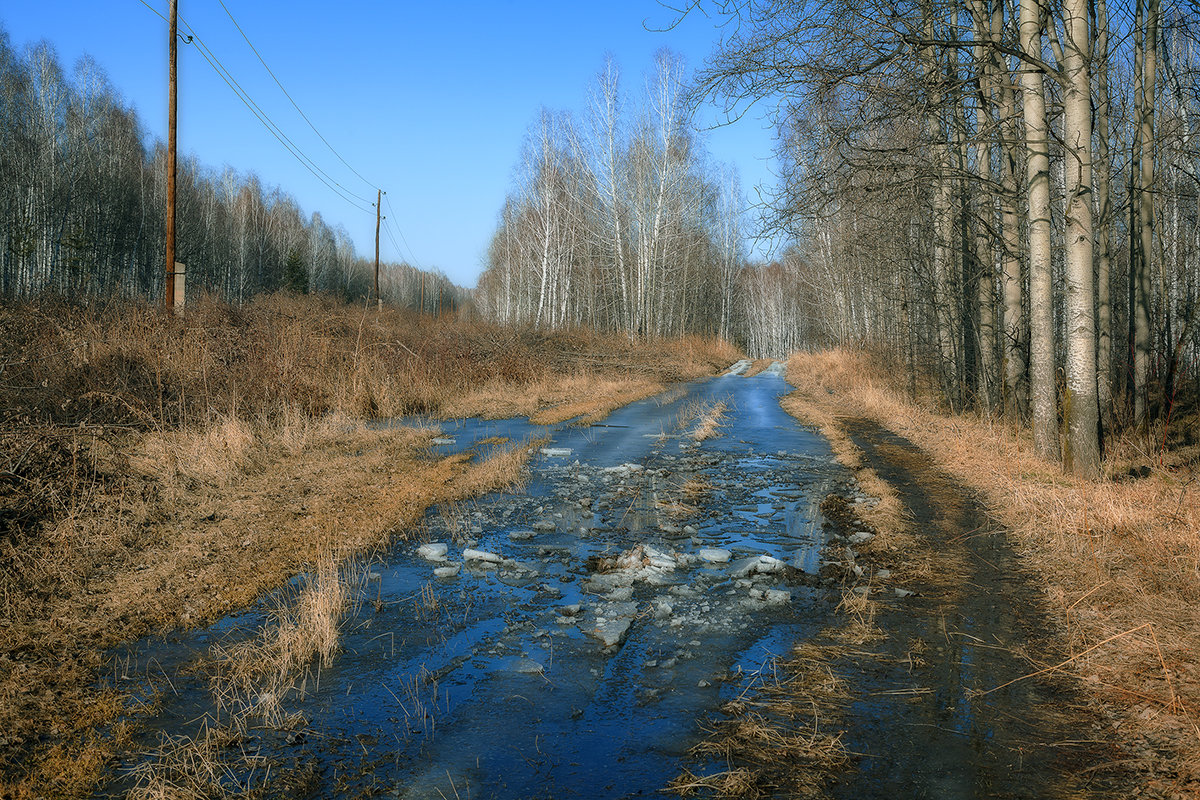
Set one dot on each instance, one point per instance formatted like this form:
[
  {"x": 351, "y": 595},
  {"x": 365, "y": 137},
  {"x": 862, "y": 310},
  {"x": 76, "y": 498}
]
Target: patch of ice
[
  {"x": 757, "y": 565},
  {"x": 610, "y": 631},
  {"x": 715, "y": 555},
  {"x": 481, "y": 555},
  {"x": 433, "y": 551}
]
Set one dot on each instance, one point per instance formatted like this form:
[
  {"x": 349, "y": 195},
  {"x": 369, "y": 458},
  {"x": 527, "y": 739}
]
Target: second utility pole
[{"x": 378, "y": 296}]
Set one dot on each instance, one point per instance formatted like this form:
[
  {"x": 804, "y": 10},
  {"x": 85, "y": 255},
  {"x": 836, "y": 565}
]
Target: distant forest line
[{"x": 83, "y": 199}]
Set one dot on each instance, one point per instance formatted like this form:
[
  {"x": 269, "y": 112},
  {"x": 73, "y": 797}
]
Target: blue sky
[{"x": 429, "y": 101}]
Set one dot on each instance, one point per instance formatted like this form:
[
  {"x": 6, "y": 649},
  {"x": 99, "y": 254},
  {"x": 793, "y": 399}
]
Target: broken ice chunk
[{"x": 433, "y": 551}]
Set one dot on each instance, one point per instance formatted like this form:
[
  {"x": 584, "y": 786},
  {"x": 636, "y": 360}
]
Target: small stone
[
  {"x": 862, "y": 537},
  {"x": 777, "y": 597},
  {"x": 543, "y": 526}
]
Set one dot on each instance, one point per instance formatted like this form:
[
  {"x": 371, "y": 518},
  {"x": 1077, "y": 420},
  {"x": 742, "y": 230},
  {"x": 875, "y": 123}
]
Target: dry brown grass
[
  {"x": 257, "y": 677},
  {"x": 708, "y": 421},
  {"x": 781, "y": 737},
  {"x": 160, "y": 471},
  {"x": 211, "y": 765},
  {"x": 758, "y": 366},
  {"x": 1119, "y": 559},
  {"x": 591, "y": 386}
]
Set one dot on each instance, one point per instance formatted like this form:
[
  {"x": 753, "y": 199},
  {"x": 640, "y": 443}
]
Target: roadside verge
[{"x": 1112, "y": 564}]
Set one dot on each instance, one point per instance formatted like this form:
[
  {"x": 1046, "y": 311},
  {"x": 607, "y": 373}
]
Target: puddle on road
[{"x": 594, "y": 618}]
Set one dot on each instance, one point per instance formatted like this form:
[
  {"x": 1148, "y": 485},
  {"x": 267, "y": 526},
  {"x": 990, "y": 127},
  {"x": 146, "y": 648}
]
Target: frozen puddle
[{"x": 567, "y": 640}]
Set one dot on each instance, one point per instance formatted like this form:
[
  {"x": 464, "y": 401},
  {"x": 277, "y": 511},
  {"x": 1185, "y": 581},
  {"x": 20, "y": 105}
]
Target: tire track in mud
[{"x": 943, "y": 706}]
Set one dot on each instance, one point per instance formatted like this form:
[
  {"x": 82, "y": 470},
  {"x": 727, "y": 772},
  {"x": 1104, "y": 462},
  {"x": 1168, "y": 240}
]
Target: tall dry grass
[
  {"x": 1118, "y": 559},
  {"x": 257, "y": 677},
  {"x": 162, "y": 470}
]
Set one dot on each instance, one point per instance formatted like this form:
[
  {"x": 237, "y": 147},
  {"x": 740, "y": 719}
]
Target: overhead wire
[
  {"x": 275, "y": 130},
  {"x": 296, "y": 106},
  {"x": 265, "y": 118},
  {"x": 393, "y": 215}
]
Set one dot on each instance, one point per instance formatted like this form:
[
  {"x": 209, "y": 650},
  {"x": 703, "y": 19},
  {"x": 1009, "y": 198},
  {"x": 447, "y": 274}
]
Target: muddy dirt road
[{"x": 572, "y": 639}]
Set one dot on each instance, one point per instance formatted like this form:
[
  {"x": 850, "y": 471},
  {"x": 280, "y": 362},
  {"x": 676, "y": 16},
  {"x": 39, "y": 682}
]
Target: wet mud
[{"x": 943, "y": 706}]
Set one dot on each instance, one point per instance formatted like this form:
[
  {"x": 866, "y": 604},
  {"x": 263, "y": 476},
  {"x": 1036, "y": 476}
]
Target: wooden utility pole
[
  {"x": 378, "y": 296},
  {"x": 173, "y": 52}
]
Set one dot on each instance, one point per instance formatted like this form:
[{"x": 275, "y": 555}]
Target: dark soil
[{"x": 943, "y": 706}]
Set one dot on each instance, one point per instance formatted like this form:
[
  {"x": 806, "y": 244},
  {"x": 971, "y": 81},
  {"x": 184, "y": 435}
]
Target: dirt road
[{"x": 574, "y": 639}]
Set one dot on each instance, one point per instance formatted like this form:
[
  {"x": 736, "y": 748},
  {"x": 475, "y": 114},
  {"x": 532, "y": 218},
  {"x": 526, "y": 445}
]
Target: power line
[
  {"x": 275, "y": 130},
  {"x": 272, "y": 129},
  {"x": 411, "y": 258},
  {"x": 289, "y": 97},
  {"x": 264, "y": 117},
  {"x": 392, "y": 239},
  {"x": 394, "y": 217}
]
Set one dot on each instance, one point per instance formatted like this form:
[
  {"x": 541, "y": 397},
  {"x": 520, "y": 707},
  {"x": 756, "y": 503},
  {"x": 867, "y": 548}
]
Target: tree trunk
[
  {"x": 1041, "y": 327},
  {"x": 1082, "y": 414},
  {"x": 1140, "y": 272},
  {"x": 1104, "y": 220}
]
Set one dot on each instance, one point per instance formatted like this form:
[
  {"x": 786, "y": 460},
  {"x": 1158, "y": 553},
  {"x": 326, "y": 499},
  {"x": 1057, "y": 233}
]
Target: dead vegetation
[
  {"x": 161, "y": 471},
  {"x": 1118, "y": 559},
  {"x": 707, "y": 418},
  {"x": 781, "y": 737},
  {"x": 256, "y": 676}
]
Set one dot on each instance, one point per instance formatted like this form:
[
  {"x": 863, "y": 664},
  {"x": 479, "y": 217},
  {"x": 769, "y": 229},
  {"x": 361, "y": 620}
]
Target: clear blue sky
[{"x": 429, "y": 101}]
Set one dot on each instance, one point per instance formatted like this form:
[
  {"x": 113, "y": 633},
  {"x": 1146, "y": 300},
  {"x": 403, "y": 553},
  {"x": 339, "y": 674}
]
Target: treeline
[
  {"x": 1001, "y": 195},
  {"x": 83, "y": 197},
  {"x": 618, "y": 221}
]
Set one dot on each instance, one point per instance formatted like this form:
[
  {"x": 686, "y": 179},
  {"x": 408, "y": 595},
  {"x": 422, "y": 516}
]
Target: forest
[
  {"x": 1000, "y": 197},
  {"x": 621, "y": 221},
  {"x": 83, "y": 198}
]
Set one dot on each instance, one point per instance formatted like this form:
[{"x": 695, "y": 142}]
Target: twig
[{"x": 1064, "y": 663}]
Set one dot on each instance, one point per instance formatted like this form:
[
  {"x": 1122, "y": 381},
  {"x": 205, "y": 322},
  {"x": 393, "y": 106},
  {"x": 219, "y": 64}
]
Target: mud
[{"x": 943, "y": 707}]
